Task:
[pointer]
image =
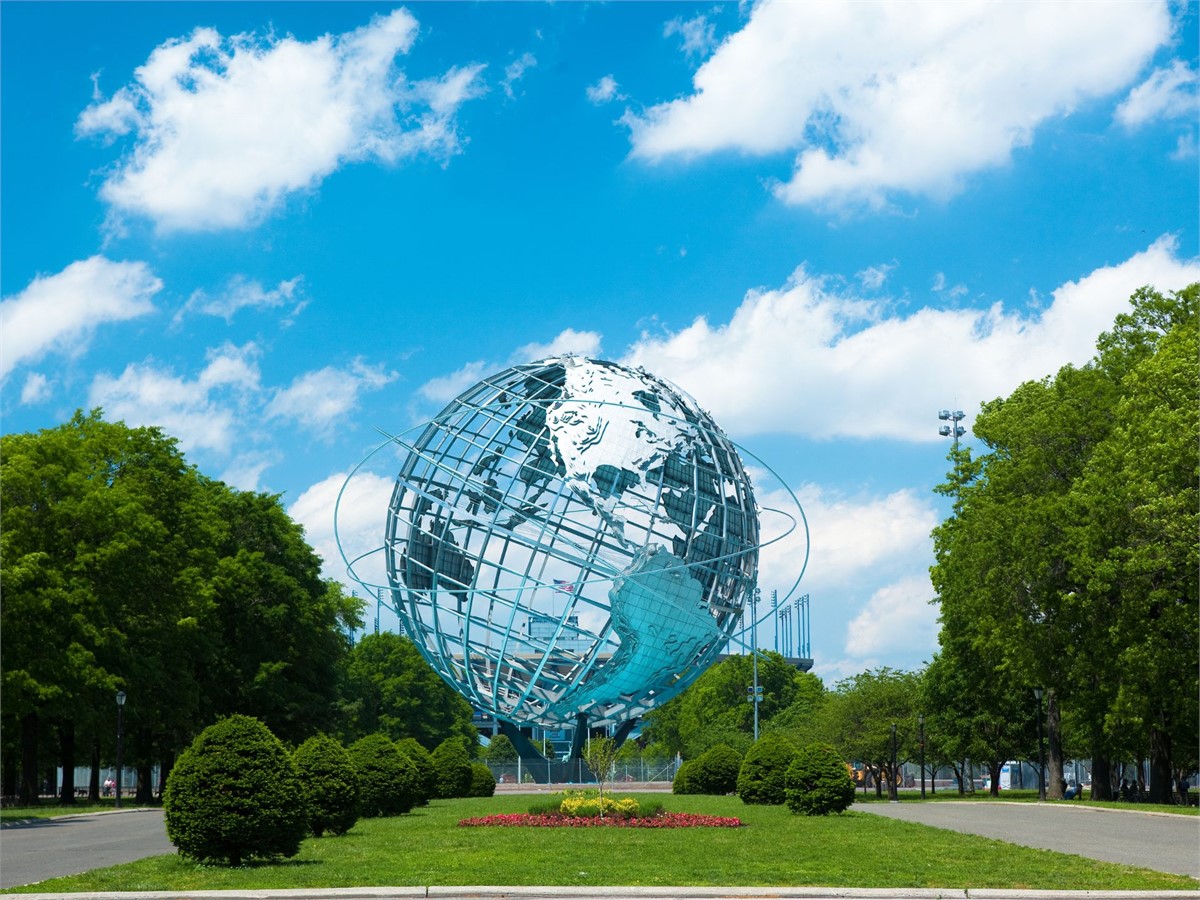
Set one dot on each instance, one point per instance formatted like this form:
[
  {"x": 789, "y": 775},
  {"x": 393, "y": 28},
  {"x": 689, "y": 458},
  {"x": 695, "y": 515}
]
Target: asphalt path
[
  {"x": 1159, "y": 841},
  {"x": 67, "y": 845}
]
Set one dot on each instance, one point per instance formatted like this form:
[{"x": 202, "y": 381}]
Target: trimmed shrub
[
  {"x": 388, "y": 780},
  {"x": 426, "y": 777},
  {"x": 716, "y": 771},
  {"x": 234, "y": 796},
  {"x": 483, "y": 782},
  {"x": 682, "y": 783},
  {"x": 452, "y": 767},
  {"x": 330, "y": 783},
  {"x": 818, "y": 782},
  {"x": 764, "y": 770}
]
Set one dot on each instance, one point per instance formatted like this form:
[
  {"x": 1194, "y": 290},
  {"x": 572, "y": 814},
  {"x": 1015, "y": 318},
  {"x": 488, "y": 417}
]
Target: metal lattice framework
[{"x": 571, "y": 537}]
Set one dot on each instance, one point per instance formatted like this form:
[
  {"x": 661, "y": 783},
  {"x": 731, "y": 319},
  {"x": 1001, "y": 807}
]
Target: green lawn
[{"x": 774, "y": 848}]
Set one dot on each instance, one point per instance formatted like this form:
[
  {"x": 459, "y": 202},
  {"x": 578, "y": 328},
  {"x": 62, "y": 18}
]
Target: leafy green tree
[
  {"x": 330, "y": 784},
  {"x": 858, "y": 716},
  {"x": 682, "y": 782},
  {"x": 388, "y": 686},
  {"x": 483, "y": 782},
  {"x": 716, "y": 771},
  {"x": 600, "y": 754},
  {"x": 501, "y": 750},
  {"x": 235, "y": 795}
]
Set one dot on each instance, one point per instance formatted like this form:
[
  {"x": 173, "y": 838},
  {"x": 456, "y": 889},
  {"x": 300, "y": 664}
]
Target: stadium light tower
[{"x": 953, "y": 430}]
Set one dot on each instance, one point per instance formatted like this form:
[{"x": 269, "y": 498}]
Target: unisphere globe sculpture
[{"x": 571, "y": 537}]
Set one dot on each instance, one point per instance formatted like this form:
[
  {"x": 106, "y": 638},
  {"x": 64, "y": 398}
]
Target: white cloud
[
  {"x": 318, "y": 399},
  {"x": 240, "y": 293},
  {"x": 897, "y": 619},
  {"x": 360, "y": 523},
  {"x": 61, "y": 312},
  {"x": 885, "y": 97},
  {"x": 37, "y": 388},
  {"x": 807, "y": 359},
  {"x": 515, "y": 71},
  {"x": 568, "y": 341},
  {"x": 227, "y": 128},
  {"x": 1169, "y": 93},
  {"x": 447, "y": 387},
  {"x": 604, "y": 91},
  {"x": 697, "y": 35},
  {"x": 246, "y": 471},
  {"x": 873, "y": 277}
]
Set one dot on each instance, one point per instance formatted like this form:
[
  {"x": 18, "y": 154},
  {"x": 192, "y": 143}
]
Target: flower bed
[{"x": 665, "y": 820}]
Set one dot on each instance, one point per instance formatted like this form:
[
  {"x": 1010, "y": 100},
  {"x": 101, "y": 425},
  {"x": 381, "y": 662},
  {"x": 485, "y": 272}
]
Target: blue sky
[{"x": 273, "y": 228}]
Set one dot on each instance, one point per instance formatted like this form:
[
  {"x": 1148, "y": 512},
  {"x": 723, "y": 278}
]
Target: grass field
[{"x": 774, "y": 848}]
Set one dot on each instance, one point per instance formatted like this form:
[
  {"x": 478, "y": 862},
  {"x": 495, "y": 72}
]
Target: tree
[
  {"x": 423, "y": 760},
  {"x": 600, "y": 754},
  {"x": 235, "y": 795},
  {"x": 388, "y": 686},
  {"x": 716, "y": 771},
  {"x": 501, "y": 750}
]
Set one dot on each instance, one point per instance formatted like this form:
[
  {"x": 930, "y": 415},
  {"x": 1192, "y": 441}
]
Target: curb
[{"x": 640, "y": 893}]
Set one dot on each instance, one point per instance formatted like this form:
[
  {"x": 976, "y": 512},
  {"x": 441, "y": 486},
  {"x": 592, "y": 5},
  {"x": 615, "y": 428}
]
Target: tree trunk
[
  {"x": 994, "y": 776},
  {"x": 66, "y": 747},
  {"x": 1101, "y": 778},
  {"x": 145, "y": 774},
  {"x": 1054, "y": 751},
  {"x": 1160, "y": 761},
  {"x": 164, "y": 769},
  {"x": 29, "y": 761},
  {"x": 958, "y": 776}
]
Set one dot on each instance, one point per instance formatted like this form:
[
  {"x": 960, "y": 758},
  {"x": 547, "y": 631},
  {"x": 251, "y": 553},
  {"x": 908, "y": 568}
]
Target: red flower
[{"x": 665, "y": 820}]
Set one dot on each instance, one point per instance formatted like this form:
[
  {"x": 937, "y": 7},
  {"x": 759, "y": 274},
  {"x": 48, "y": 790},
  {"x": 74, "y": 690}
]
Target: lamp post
[
  {"x": 1037, "y": 692},
  {"x": 892, "y": 780},
  {"x": 954, "y": 430},
  {"x": 120, "y": 742},
  {"x": 921, "y": 723},
  {"x": 754, "y": 656}
]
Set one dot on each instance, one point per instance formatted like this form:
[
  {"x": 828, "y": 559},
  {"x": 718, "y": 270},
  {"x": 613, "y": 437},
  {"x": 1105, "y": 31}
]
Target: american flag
[{"x": 565, "y": 586}]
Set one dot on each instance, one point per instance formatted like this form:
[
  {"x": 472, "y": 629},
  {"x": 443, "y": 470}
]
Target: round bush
[
  {"x": 764, "y": 770},
  {"x": 683, "y": 776},
  {"x": 483, "y": 782},
  {"x": 234, "y": 795},
  {"x": 452, "y": 766},
  {"x": 426, "y": 777},
  {"x": 818, "y": 782},
  {"x": 388, "y": 780},
  {"x": 716, "y": 771},
  {"x": 330, "y": 783}
]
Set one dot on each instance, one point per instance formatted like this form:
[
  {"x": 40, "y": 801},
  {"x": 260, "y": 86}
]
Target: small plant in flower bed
[{"x": 663, "y": 820}]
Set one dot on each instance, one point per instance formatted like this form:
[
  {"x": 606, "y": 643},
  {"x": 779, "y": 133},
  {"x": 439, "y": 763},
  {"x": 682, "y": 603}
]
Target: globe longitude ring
[{"x": 569, "y": 537}]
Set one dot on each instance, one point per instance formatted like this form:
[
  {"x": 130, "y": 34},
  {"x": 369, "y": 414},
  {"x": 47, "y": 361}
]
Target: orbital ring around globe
[{"x": 572, "y": 538}]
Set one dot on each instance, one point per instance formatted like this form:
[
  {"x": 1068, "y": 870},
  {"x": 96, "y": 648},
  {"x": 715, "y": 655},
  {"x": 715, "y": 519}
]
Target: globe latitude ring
[{"x": 572, "y": 537}]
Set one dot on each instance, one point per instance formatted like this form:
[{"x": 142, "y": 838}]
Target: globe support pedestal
[{"x": 581, "y": 736}]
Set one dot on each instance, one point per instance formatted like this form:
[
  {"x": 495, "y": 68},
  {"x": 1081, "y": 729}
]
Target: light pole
[
  {"x": 921, "y": 723},
  {"x": 120, "y": 742},
  {"x": 1037, "y": 692},
  {"x": 892, "y": 780},
  {"x": 754, "y": 657},
  {"x": 954, "y": 430}
]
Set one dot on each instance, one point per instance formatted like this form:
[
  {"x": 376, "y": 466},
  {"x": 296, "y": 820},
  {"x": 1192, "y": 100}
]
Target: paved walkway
[
  {"x": 1159, "y": 841},
  {"x": 67, "y": 845}
]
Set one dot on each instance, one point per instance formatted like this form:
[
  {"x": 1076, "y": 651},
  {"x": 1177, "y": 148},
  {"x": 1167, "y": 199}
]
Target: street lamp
[
  {"x": 1037, "y": 692},
  {"x": 921, "y": 723},
  {"x": 895, "y": 792},
  {"x": 120, "y": 742},
  {"x": 754, "y": 656}
]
